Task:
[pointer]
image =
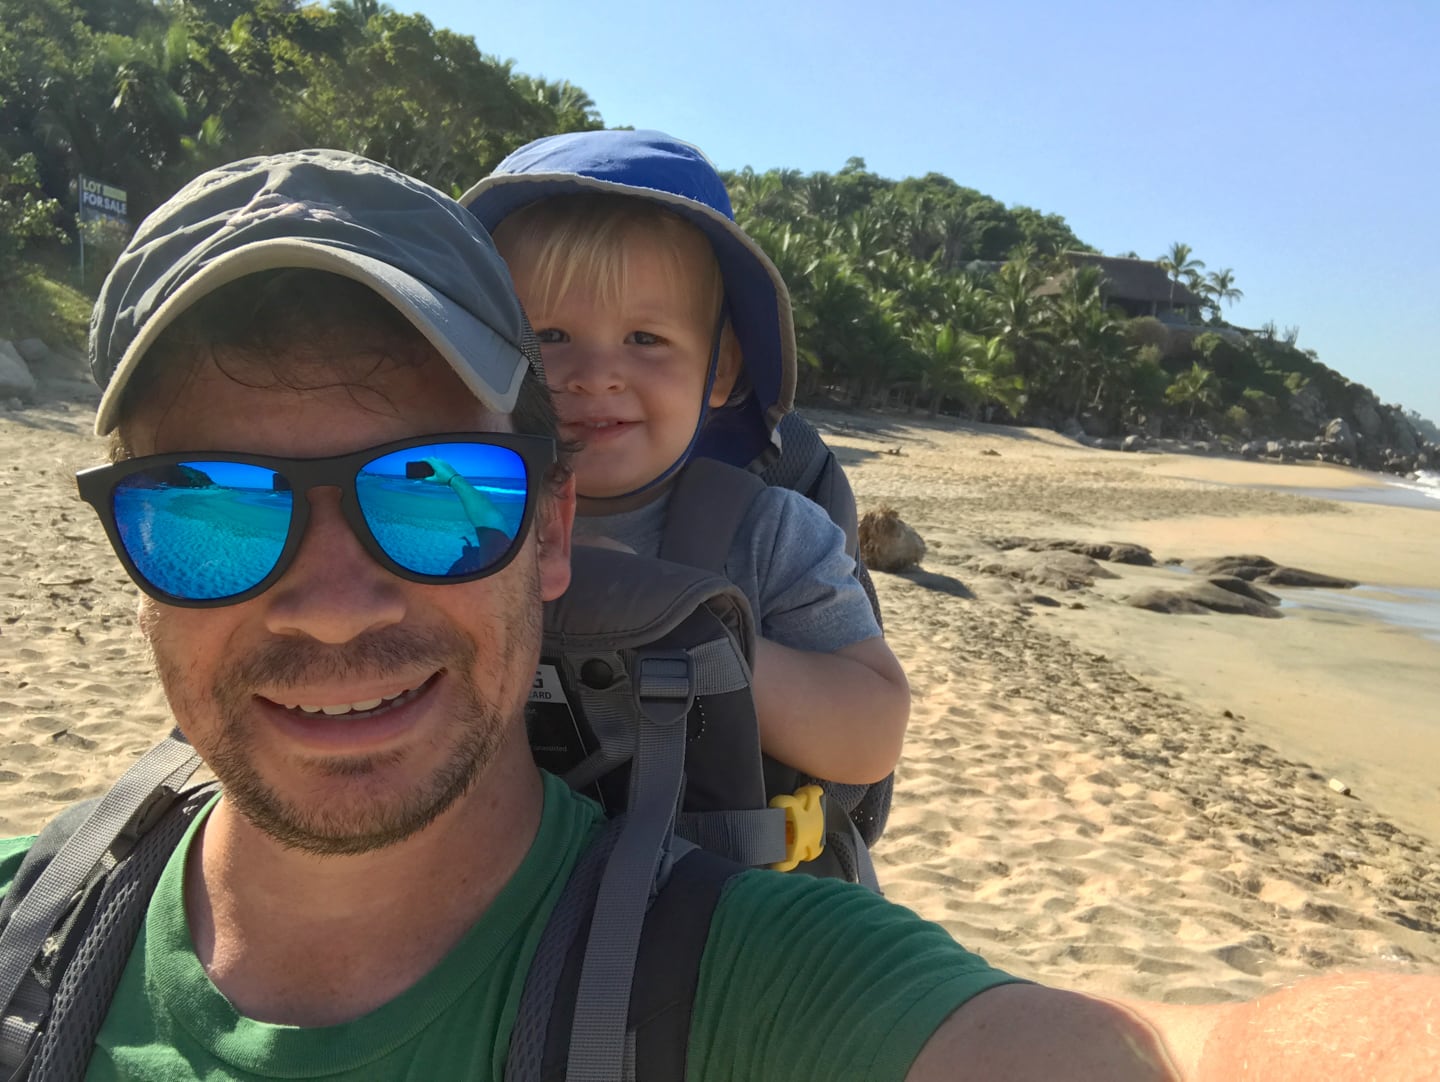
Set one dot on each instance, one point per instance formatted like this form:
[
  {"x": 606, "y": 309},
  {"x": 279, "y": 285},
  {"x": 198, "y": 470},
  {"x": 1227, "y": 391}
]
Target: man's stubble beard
[{"x": 376, "y": 820}]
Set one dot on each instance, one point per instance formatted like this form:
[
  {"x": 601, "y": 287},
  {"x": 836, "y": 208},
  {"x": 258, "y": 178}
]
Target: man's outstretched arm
[{"x": 1350, "y": 1028}]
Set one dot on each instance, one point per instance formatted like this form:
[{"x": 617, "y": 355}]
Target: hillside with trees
[{"x": 918, "y": 294}]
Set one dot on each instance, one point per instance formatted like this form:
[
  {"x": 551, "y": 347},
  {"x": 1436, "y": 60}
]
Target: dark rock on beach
[
  {"x": 1202, "y": 598},
  {"x": 1056, "y": 570},
  {"x": 1263, "y": 569},
  {"x": 1115, "y": 552}
]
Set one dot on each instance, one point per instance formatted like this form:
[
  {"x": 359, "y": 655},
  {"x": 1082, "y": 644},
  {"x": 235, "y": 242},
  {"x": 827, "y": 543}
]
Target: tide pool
[{"x": 1414, "y": 608}]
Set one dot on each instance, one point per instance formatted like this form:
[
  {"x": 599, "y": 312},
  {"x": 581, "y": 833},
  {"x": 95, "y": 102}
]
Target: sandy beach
[{"x": 1109, "y": 798}]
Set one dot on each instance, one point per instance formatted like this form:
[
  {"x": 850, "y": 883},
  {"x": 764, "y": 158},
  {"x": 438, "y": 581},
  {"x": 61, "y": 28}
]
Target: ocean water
[
  {"x": 1421, "y": 491},
  {"x": 1415, "y": 608}
]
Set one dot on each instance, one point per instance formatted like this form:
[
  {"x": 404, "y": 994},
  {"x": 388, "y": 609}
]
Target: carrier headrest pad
[{"x": 618, "y": 600}]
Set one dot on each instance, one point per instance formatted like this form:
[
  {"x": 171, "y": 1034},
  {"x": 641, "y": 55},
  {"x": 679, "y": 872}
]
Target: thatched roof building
[{"x": 1139, "y": 286}]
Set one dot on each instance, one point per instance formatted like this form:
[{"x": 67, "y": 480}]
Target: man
[{"x": 286, "y": 349}]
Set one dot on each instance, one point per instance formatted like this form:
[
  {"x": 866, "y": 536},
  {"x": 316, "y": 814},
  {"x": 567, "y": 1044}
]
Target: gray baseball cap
[{"x": 321, "y": 210}]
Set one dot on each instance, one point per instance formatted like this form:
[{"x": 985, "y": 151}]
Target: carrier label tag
[
  {"x": 559, "y": 739},
  {"x": 547, "y": 687}
]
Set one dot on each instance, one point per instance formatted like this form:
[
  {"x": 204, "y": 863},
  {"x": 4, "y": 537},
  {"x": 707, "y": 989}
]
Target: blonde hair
[{"x": 591, "y": 238}]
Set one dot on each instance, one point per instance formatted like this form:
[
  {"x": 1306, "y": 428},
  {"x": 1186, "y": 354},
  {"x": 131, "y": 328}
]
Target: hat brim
[
  {"x": 759, "y": 305},
  {"x": 491, "y": 366}
]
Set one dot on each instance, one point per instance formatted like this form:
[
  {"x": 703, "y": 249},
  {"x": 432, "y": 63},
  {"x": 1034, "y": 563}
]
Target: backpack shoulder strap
[
  {"x": 811, "y": 469},
  {"x": 56, "y": 889},
  {"x": 708, "y": 503},
  {"x": 666, "y": 976},
  {"x": 84, "y": 989}
]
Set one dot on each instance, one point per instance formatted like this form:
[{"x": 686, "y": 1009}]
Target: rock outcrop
[
  {"x": 1115, "y": 552},
  {"x": 1263, "y": 569},
  {"x": 1202, "y": 598}
]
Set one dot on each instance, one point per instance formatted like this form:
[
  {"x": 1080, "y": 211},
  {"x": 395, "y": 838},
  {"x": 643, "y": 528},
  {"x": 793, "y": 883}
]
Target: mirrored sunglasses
[{"x": 204, "y": 529}]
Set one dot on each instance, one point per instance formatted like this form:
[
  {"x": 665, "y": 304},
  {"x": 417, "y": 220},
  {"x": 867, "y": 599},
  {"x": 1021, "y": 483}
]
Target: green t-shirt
[{"x": 801, "y": 978}]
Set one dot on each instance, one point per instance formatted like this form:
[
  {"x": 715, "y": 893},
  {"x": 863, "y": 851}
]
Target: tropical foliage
[{"x": 920, "y": 293}]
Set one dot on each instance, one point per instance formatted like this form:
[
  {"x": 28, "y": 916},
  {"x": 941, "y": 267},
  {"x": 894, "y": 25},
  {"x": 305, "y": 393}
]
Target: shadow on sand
[{"x": 933, "y": 580}]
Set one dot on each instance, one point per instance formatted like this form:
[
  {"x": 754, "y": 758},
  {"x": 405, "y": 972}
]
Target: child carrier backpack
[{"x": 734, "y": 800}]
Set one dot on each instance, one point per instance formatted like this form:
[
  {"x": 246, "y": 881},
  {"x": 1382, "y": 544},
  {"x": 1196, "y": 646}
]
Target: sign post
[{"x": 100, "y": 202}]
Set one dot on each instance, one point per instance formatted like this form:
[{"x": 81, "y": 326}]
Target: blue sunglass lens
[
  {"x": 444, "y": 508},
  {"x": 204, "y": 530}
]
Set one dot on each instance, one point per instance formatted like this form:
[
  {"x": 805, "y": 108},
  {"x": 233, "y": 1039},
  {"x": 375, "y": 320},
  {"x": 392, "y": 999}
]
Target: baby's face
[{"x": 629, "y": 376}]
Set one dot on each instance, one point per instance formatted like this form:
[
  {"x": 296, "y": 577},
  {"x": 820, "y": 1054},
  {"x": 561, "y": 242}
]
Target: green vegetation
[
  {"x": 34, "y": 304},
  {"x": 919, "y": 293}
]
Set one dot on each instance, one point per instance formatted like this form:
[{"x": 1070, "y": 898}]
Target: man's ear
[
  {"x": 553, "y": 521},
  {"x": 727, "y": 369}
]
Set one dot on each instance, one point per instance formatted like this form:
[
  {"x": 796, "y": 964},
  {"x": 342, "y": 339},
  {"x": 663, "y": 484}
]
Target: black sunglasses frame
[{"x": 97, "y": 488}]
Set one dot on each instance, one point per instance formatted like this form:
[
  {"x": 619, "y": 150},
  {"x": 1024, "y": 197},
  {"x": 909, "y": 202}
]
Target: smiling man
[{"x": 335, "y": 479}]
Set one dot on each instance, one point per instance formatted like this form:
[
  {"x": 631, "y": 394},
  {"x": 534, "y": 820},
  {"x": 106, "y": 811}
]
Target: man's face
[{"x": 423, "y": 686}]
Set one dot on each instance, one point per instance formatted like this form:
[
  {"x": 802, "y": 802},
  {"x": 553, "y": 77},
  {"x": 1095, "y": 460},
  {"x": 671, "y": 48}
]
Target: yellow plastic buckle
[{"x": 804, "y": 825}]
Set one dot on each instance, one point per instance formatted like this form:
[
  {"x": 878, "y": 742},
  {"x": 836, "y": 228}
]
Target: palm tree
[
  {"x": 1020, "y": 316},
  {"x": 1193, "y": 388},
  {"x": 1178, "y": 263},
  {"x": 1221, "y": 287}
]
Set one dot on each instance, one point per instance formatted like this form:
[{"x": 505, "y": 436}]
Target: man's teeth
[{"x": 348, "y": 708}]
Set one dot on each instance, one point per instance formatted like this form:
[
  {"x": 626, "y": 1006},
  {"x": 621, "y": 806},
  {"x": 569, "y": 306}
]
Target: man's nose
[{"x": 333, "y": 591}]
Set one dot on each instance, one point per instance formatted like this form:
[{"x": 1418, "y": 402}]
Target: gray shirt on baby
[{"x": 788, "y": 559}]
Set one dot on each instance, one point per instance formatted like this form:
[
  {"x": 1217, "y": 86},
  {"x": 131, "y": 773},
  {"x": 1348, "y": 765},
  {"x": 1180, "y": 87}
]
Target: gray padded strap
[
  {"x": 708, "y": 503},
  {"x": 167, "y": 766},
  {"x": 719, "y": 668},
  {"x": 755, "y": 837},
  {"x": 802, "y": 455},
  {"x": 618, "y": 600},
  {"x": 88, "y": 986},
  {"x": 664, "y": 695}
]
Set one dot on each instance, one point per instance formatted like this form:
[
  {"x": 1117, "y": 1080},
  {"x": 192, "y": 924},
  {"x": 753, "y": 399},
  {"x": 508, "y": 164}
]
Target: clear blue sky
[{"x": 1297, "y": 143}]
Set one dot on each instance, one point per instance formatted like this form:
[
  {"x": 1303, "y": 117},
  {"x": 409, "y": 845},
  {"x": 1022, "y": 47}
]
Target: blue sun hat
[{"x": 656, "y": 167}]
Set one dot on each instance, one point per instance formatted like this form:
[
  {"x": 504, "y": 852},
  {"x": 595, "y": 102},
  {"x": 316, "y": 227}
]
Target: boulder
[
  {"x": 32, "y": 350},
  {"x": 1056, "y": 570},
  {"x": 15, "y": 378},
  {"x": 1201, "y": 598},
  {"x": 1263, "y": 569},
  {"x": 1339, "y": 438},
  {"x": 1244, "y": 589},
  {"x": 1115, "y": 552},
  {"x": 1309, "y": 405},
  {"x": 1134, "y": 443},
  {"x": 1404, "y": 438},
  {"x": 1294, "y": 576},
  {"x": 887, "y": 543},
  {"x": 1245, "y": 567},
  {"x": 1367, "y": 418}
]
